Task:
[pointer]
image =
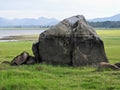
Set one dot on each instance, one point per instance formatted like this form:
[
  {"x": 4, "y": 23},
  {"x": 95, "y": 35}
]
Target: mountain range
[
  {"x": 43, "y": 21},
  {"x": 112, "y": 18}
]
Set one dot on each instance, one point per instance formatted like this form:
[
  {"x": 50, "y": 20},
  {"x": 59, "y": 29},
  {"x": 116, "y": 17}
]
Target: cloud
[{"x": 58, "y": 8}]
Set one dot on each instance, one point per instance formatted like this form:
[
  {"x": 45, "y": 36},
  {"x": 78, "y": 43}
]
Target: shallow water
[
  {"x": 5, "y": 33},
  {"x": 8, "y": 40}
]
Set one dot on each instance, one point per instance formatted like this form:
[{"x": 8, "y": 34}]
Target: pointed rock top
[
  {"x": 75, "y": 24},
  {"x": 72, "y": 20}
]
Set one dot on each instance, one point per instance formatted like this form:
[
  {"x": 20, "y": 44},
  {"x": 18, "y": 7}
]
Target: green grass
[
  {"x": 48, "y": 77},
  {"x": 9, "y": 50},
  {"x": 111, "y": 40}
]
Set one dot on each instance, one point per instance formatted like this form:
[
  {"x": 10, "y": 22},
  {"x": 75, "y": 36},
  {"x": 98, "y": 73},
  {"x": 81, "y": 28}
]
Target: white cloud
[{"x": 58, "y": 8}]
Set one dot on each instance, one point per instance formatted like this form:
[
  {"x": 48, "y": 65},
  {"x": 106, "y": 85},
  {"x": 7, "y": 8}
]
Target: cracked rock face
[{"x": 72, "y": 42}]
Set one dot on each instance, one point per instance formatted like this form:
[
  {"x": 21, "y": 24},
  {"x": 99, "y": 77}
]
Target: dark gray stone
[
  {"x": 117, "y": 64},
  {"x": 30, "y": 60},
  {"x": 72, "y": 42},
  {"x": 35, "y": 49},
  {"x": 105, "y": 66},
  {"x": 23, "y": 58},
  {"x": 20, "y": 59}
]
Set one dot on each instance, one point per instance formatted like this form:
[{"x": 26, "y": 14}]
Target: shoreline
[
  {"x": 31, "y": 37},
  {"x": 22, "y": 28},
  {"x": 19, "y": 35}
]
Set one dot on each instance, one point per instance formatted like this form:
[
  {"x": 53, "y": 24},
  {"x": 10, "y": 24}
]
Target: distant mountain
[
  {"x": 42, "y": 21},
  {"x": 112, "y": 18}
]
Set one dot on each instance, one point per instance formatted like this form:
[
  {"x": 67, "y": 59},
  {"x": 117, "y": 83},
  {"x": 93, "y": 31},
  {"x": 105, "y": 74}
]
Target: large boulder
[{"x": 72, "y": 42}]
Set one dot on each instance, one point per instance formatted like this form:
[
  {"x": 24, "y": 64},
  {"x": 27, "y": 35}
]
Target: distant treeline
[{"x": 106, "y": 24}]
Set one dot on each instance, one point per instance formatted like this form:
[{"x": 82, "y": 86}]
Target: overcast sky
[{"x": 59, "y": 9}]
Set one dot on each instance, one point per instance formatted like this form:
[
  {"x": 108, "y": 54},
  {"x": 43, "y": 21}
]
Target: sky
[{"x": 58, "y": 9}]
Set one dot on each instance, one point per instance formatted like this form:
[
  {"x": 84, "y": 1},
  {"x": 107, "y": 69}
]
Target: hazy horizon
[{"x": 58, "y": 9}]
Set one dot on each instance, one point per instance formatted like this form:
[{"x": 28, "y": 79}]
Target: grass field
[
  {"x": 111, "y": 40},
  {"x": 48, "y": 77}
]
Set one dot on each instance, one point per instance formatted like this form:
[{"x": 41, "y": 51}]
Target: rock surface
[
  {"x": 105, "y": 65},
  {"x": 72, "y": 42},
  {"x": 23, "y": 58}
]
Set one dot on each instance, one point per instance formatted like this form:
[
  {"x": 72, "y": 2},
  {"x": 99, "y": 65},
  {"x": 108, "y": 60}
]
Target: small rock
[
  {"x": 30, "y": 60},
  {"x": 23, "y": 58},
  {"x": 117, "y": 64},
  {"x": 105, "y": 65}
]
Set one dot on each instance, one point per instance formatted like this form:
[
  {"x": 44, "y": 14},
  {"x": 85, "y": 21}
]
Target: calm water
[{"x": 4, "y": 33}]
